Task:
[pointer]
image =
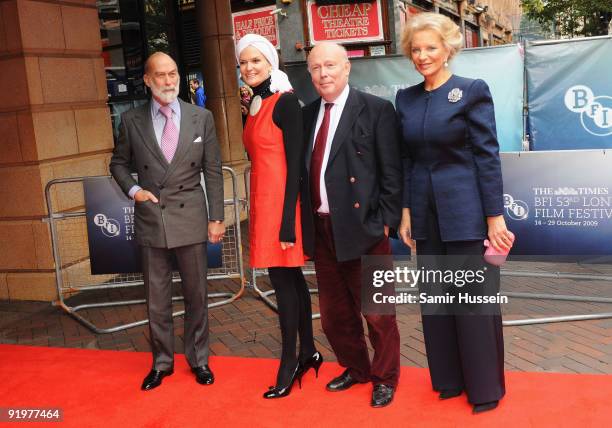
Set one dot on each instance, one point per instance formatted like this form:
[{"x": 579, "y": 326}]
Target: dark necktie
[{"x": 316, "y": 162}]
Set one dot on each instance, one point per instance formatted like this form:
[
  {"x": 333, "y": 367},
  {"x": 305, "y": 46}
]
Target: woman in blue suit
[{"x": 453, "y": 200}]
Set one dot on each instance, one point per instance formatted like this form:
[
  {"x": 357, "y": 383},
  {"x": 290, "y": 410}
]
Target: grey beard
[{"x": 166, "y": 97}]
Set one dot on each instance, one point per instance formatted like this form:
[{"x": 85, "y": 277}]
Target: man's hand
[
  {"x": 405, "y": 229},
  {"x": 215, "y": 231},
  {"x": 144, "y": 195}
]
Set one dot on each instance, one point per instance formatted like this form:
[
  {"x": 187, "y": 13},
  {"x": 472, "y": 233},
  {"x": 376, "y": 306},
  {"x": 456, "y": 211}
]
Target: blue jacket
[
  {"x": 451, "y": 150},
  {"x": 200, "y": 97}
]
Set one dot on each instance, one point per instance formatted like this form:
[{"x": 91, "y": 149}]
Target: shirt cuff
[{"x": 133, "y": 190}]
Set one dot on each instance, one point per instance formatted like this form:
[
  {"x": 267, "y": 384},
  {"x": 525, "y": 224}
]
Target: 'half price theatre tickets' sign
[
  {"x": 345, "y": 23},
  {"x": 257, "y": 21}
]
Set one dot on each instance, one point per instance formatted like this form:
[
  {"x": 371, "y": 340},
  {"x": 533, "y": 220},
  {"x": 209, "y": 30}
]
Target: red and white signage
[
  {"x": 258, "y": 21},
  {"x": 355, "y": 53},
  {"x": 345, "y": 23}
]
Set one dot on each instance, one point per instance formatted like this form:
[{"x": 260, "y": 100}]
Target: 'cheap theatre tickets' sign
[
  {"x": 259, "y": 21},
  {"x": 355, "y": 22}
]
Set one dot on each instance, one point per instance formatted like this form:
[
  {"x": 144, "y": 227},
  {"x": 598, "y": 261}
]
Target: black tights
[{"x": 295, "y": 316}]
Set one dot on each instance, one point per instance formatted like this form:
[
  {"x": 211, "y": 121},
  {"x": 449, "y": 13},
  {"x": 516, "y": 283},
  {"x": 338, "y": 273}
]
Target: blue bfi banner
[
  {"x": 570, "y": 94},
  {"x": 501, "y": 67},
  {"x": 110, "y": 230},
  {"x": 559, "y": 203}
]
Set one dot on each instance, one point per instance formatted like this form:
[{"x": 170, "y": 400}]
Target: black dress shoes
[
  {"x": 445, "y": 394},
  {"x": 484, "y": 407},
  {"x": 382, "y": 395},
  {"x": 203, "y": 375},
  {"x": 342, "y": 382},
  {"x": 154, "y": 379}
]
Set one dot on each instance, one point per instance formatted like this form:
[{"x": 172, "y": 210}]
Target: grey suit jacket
[{"x": 180, "y": 217}]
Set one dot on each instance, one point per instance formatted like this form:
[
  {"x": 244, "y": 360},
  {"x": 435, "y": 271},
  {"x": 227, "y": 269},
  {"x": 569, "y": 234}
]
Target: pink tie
[{"x": 169, "y": 139}]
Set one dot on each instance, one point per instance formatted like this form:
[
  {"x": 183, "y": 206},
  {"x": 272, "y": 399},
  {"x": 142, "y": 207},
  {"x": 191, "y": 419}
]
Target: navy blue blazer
[
  {"x": 450, "y": 152},
  {"x": 363, "y": 177}
]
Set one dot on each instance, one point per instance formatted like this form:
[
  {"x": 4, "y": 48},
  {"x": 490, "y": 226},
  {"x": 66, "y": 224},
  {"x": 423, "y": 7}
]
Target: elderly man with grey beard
[{"x": 168, "y": 142}]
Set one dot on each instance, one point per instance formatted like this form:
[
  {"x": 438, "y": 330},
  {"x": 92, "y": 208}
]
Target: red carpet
[{"x": 102, "y": 389}]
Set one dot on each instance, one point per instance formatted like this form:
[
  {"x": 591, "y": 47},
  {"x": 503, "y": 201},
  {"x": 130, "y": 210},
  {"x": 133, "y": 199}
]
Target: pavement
[{"x": 248, "y": 327}]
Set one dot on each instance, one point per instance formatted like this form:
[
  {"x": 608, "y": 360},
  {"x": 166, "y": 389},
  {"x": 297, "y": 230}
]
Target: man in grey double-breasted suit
[{"x": 168, "y": 142}]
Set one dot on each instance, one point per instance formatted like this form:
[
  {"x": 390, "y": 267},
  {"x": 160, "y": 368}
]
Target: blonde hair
[{"x": 449, "y": 32}]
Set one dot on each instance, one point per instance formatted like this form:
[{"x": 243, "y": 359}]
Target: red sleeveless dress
[{"x": 263, "y": 141}]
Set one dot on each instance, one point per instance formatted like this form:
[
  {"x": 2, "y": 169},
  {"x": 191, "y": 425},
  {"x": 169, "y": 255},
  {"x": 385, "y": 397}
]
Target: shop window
[
  {"x": 423, "y": 4},
  {"x": 471, "y": 36},
  {"x": 122, "y": 48},
  {"x": 157, "y": 26}
]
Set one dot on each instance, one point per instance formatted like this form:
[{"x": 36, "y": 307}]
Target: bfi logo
[{"x": 595, "y": 111}]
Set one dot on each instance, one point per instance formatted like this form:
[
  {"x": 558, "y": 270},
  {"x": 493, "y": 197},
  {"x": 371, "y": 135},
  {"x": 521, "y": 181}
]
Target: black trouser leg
[
  {"x": 282, "y": 280},
  {"x": 463, "y": 351}
]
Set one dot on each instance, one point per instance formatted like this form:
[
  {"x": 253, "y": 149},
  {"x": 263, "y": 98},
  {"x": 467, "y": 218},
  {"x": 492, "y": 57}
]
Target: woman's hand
[
  {"x": 499, "y": 235},
  {"x": 405, "y": 229},
  {"x": 285, "y": 245}
]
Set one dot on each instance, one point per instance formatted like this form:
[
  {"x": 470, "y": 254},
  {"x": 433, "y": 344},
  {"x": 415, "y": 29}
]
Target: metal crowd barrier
[
  {"x": 559, "y": 297},
  {"x": 71, "y": 255},
  {"x": 550, "y": 296},
  {"x": 255, "y": 273},
  {"x": 309, "y": 270}
]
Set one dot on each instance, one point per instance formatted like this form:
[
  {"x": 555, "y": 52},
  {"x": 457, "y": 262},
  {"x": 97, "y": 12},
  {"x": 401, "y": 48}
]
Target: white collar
[
  {"x": 174, "y": 105},
  {"x": 340, "y": 100}
]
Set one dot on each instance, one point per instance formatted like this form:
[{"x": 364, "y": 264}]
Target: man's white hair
[{"x": 334, "y": 45}]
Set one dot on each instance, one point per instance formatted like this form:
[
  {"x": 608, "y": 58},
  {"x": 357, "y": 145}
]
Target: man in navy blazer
[{"x": 351, "y": 196}]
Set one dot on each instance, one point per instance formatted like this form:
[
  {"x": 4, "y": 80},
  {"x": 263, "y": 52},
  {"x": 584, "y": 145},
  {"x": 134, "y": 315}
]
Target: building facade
[{"x": 71, "y": 67}]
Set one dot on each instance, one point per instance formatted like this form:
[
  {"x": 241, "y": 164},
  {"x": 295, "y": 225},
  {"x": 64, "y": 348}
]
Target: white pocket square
[{"x": 198, "y": 140}]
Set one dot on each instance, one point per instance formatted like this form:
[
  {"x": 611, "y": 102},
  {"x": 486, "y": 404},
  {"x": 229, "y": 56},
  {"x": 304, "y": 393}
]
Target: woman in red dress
[{"x": 273, "y": 137}]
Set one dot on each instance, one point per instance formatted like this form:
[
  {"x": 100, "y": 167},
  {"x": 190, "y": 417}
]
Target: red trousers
[{"x": 339, "y": 286}]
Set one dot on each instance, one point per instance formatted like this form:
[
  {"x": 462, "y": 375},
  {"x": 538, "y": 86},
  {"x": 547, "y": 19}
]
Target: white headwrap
[{"x": 279, "y": 81}]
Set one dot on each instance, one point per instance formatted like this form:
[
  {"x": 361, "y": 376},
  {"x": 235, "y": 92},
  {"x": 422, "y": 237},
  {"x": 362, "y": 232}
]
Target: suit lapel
[
  {"x": 351, "y": 111},
  {"x": 188, "y": 123},
  {"x": 311, "y": 115},
  {"x": 144, "y": 125}
]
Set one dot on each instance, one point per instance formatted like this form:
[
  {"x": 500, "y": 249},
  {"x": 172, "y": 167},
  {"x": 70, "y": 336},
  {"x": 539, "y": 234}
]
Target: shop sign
[
  {"x": 377, "y": 51},
  {"x": 259, "y": 21},
  {"x": 345, "y": 23}
]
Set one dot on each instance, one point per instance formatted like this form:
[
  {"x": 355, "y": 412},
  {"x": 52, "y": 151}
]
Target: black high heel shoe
[
  {"x": 283, "y": 391},
  {"x": 314, "y": 361}
]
